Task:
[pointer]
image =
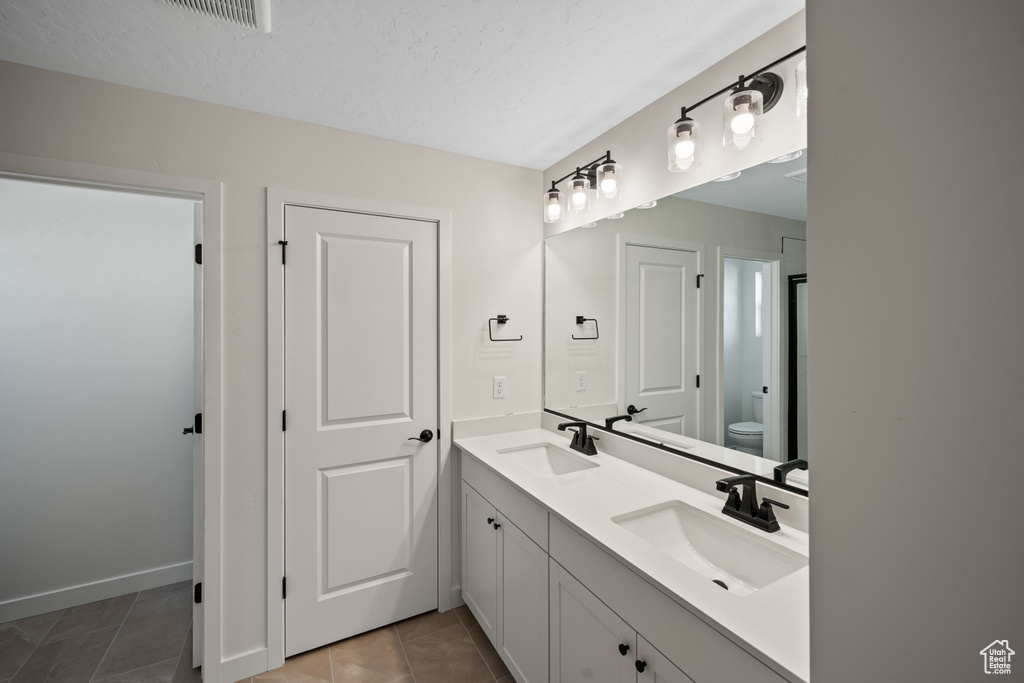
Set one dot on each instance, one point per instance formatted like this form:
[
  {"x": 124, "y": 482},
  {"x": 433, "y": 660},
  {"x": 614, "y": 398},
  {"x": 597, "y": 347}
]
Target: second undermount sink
[
  {"x": 546, "y": 460},
  {"x": 737, "y": 559}
]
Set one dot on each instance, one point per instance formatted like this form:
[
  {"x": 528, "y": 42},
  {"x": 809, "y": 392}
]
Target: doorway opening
[
  {"x": 750, "y": 359},
  {"x": 101, "y": 356}
]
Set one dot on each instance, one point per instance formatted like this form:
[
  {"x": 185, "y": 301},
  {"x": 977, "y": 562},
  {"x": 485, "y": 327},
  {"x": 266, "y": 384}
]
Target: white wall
[
  {"x": 96, "y": 344},
  {"x": 496, "y": 257},
  {"x": 916, "y": 328}
]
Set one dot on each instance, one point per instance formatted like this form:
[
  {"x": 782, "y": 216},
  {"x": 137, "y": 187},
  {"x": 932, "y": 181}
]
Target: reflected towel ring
[
  {"x": 579, "y": 321},
  {"x": 501, "y": 320}
]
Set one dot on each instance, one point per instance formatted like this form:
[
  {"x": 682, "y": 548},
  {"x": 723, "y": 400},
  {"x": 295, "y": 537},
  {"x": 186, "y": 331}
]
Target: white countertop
[{"x": 771, "y": 623}]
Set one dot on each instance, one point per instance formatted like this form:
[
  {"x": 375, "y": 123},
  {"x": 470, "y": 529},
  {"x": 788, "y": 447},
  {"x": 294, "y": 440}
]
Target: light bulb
[
  {"x": 608, "y": 186},
  {"x": 608, "y": 175},
  {"x": 743, "y": 121},
  {"x": 554, "y": 211},
  {"x": 684, "y": 149},
  {"x": 579, "y": 198}
]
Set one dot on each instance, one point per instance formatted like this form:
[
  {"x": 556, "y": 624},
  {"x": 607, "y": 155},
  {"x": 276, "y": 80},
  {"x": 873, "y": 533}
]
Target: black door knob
[
  {"x": 641, "y": 665},
  {"x": 188, "y": 430},
  {"x": 425, "y": 436},
  {"x": 623, "y": 649},
  {"x": 633, "y": 410}
]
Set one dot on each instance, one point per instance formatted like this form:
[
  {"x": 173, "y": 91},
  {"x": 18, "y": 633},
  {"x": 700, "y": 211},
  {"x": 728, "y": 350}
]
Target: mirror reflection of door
[
  {"x": 749, "y": 356},
  {"x": 662, "y": 321}
]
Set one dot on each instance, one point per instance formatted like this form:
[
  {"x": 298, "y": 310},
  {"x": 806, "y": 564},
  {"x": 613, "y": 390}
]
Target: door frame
[
  {"x": 624, "y": 240},
  {"x": 209, "y": 192},
  {"x": 277, "y": 199}
]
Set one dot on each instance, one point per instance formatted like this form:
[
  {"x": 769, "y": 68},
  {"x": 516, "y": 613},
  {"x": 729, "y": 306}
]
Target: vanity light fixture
[
  {"x": 801, "y": 87},
  {"x": 600, "y": 179},
  {"x": 554, "y": 205},
  {"x": 751, "y": 97}
]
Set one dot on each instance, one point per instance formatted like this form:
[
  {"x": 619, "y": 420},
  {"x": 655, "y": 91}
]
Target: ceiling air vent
[{"x": 250, "y": 13}]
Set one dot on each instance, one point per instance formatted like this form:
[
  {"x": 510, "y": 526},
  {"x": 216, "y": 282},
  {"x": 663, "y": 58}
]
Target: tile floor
[
  {"x": 147, "y": 638},
  {"x": 431, "y": 648},
  {"x": 137, "y": 638}
]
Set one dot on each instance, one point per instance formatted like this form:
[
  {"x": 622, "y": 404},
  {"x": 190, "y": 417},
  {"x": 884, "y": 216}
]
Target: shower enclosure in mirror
[{"x": 672, "y": 324}]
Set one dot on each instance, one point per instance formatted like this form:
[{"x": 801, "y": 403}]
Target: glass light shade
[
  {"x": 609, "y": 180},
  {"x": 554, "y": 206},
  {"x": 579, "y": 194},
  {"x": 742, "y": 120},
  {"x": 801, "y": 87},
  {"x": 683, "y": 145}
]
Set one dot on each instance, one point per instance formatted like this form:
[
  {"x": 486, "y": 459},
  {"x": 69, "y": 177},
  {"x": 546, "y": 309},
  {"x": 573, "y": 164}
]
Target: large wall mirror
[{"x": 683, "y": 323}]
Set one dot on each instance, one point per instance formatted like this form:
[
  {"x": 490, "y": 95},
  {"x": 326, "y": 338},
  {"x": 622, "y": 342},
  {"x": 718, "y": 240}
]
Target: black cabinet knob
[
  {"x": 496, "y": 526},
  {"x": 490, "y": 520},
  {"x": 641, "y": 665},
  {"x": 623, "y": 649}
]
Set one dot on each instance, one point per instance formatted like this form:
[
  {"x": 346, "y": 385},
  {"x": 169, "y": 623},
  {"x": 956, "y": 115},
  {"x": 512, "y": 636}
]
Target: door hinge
[
  {"x": 199, "y": 254},
  {"x": 198, "y": 423},
  {"x": 284, "y": 587},
  {"x": 698, "y": 381},
  {"x": 284, "y": 245},
  {"x": 198, "y": 593},
  {"x": 698, "y": 279},
  {"x": 284, "y": 420}
]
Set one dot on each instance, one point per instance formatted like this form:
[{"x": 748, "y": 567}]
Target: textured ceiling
[{"x": 524, "y": 82}]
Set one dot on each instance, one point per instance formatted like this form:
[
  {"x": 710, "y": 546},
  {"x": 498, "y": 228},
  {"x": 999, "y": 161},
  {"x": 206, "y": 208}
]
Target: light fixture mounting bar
[
  {"x": 736, "y": 83},
  {"x": 605, "y": 158}
]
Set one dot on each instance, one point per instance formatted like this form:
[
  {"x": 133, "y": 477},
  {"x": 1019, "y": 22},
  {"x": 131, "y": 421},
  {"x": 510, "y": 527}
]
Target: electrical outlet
[
  {"x": 581, "y": 380},
  {"x": 499, "y": 387}
]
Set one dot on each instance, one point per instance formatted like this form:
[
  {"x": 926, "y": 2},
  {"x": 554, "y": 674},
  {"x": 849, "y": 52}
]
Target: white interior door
[
  {"x": 360, "y": 382},
  {"x": 662, "y": 337},
  {"x": 769, "y": 361}
]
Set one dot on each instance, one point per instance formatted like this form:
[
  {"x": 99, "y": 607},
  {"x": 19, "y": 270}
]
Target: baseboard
[
  {"x": 31, "y": 605},
  {"x": 244, "y": 666}
]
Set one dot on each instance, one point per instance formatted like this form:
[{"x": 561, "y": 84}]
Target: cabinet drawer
[
  {"x": 704, "y": 654},
  {"x": 513, "y": 503}
]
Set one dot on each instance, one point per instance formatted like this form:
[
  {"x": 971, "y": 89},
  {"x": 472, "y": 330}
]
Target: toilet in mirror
[{"x": 683, "y": 322}]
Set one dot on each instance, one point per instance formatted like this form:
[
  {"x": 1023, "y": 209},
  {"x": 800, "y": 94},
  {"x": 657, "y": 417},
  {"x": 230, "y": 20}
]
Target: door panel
[
  {"x": 662, "y": 338},
  {"x": 360, "y": 382}
]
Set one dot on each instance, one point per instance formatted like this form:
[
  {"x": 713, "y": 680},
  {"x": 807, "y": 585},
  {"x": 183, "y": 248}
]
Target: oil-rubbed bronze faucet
[
  {"x": 580, "y": 441},
  {"x": 745, "y": 507}
]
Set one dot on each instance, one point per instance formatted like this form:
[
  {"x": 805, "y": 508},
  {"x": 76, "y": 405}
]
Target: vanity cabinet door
[
  {"x": 522, "y": 604},
  {"x": 589, "y": 642},
  {"x": 480, "y": 560},
  {"x": 657, "y": 668}
]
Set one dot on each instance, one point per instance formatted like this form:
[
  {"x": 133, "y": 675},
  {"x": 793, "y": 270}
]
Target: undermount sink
[
  {"x": 546, "y": 460},
  {"x": 737, "y": 559}
]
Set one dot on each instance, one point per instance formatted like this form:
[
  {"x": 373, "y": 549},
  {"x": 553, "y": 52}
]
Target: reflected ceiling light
[
  {"x": 589, "y": 225},
  {"x": 648, "y": 205},
  {"x": 615, "y": 216},
  {"x": 787, "y": 157},
  {"x": 727, "y": 177},
  {"x": 751, "y": 97},
  {"x": 600, "y": 179}
]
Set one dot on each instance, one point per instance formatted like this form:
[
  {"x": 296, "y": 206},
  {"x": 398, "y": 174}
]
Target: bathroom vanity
[{"x": 594, "y": 568}]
